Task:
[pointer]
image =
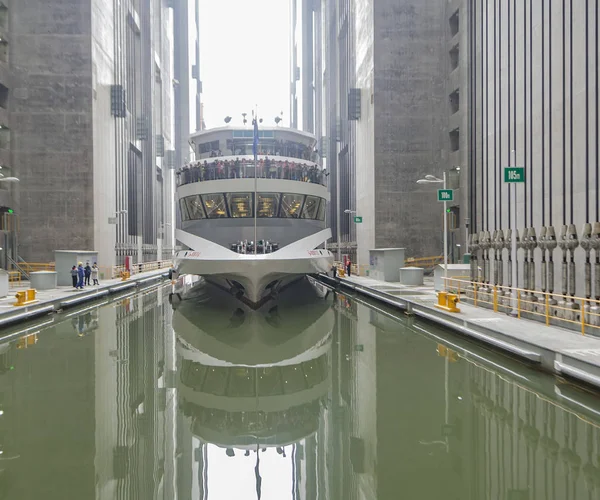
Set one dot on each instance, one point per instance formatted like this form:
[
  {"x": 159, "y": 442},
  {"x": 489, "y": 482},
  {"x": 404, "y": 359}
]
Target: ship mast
[{"x": 255, "y": 150}]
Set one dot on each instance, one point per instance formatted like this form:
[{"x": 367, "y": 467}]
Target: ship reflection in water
[
  {"x": 315, "y": 396},
  {"x": 254, "y": 385}
]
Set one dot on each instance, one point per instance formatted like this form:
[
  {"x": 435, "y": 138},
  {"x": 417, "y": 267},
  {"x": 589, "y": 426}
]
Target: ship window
[
  {"x": 269, "y": 381},
  {"x": 291, "y": 205},
  {"x": 215, "y": 206},
  {"x": 183, "y": 209},
  {"x": 322, "y": 208},
  {"x": 241, "y": 382},
  {"x": 192, "y": 375},
  {"x": 293, "y": 379},
  {"x": 240, "y": 204},
  {"x": 311, "y": 207},
  {"x": 194, "y": 207},
  {"x": 207, "y": 147},
  {"x": 268, "y": 205},
  {"x": 216, "y": 381},
  {"x": 315, "y": 371}
]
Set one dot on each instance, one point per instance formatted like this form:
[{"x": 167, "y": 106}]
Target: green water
[{"x": 310, "y": 398}]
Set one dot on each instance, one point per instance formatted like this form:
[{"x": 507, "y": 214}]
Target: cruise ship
[{"x": 252, "y": 210}]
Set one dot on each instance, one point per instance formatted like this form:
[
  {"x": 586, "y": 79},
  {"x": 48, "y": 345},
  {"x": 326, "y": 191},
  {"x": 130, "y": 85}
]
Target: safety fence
[
  {"x": 33, "y": 267},
  {"x": 14, "y": 278},
  {"x": 142, "y": 267},
  {"x": 582, "y": 314},
  {"x": 424, "y": 262}
]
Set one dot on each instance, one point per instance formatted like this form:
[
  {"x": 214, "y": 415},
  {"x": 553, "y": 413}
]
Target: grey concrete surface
[
  {"x": 66, "y": 296},
  {"x": 552, "y": 348}
]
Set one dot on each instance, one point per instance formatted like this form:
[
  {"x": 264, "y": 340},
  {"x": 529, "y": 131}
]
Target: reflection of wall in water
[
  {"x": 54, "y": 409},
  {"x": 130, "y": 368},
  {"x": 538, "y": 448},
  {"x": 410, "y": 412}
]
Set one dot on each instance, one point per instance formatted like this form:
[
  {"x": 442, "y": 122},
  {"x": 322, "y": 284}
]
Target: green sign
[
  {"x": 358, "y": 220},
  {"x": 514, "y": 174},
  {"x": 445, "y": 195}
]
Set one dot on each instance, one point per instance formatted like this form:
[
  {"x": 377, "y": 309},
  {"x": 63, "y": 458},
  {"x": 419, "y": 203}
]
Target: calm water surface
[{"x": 316, "y": 397}]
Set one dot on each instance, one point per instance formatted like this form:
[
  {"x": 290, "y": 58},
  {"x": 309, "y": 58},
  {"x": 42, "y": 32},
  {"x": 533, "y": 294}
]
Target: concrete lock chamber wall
[{"x": 535, "y": 103}]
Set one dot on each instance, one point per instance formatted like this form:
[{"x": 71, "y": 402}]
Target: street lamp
[
  {"x": 432, "y": 179},
  {"x": 350, "y": 213}
]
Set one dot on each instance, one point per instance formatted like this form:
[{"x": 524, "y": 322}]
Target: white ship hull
[{"x": 255, "y": 277}]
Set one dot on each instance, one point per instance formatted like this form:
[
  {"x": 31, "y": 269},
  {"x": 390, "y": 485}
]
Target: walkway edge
[
  {"x": 26, "y": 313},
  {"x": 546, "y": 357}
]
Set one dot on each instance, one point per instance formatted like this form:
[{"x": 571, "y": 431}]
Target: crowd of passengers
[
  {"x": 248, "y": 247},
  {"x": 267, "y": 168}
]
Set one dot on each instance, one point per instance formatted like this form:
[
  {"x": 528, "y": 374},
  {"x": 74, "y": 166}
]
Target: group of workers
[{"x": 81, "y": 276}]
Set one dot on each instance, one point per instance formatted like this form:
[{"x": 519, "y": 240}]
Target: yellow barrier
[
  {"x": 125, "y": 275},
  {"x": 14, "y": 278},
  {"x": 424, "y": 262},
  {"x": 541, "y": 306},
  {"x": 25, "y": 298},
  {"x": 142, "y": 267},
  {"x": 32, "y": 267}
]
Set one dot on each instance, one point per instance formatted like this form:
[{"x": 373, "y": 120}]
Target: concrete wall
[
  {"x": 69, "y": 152},
  {"x": 410, "y": 138},
  {"x": 52, "y": 138},
  {"x": 104, "y": 151},
  {"x": 533, "y": 97},
  {"x": 365, "y": 128}
]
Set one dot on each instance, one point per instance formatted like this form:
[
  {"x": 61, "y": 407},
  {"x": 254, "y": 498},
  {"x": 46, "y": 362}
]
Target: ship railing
[{"x": 234, "y": 168}]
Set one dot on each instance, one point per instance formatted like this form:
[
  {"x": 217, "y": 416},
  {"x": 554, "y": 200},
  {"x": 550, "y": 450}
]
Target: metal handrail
[
  {"x": 15, "y": 264},
  {"x": 539, "y": 305},
  {"x": 142, "y": 267},
  {"x": 14, "y": 278},
  {"x": 424, "y": 261}
]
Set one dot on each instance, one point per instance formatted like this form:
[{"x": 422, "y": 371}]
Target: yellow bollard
[
  {"x": 25, "y": 298},
  {"x": 447, "y": 302}
]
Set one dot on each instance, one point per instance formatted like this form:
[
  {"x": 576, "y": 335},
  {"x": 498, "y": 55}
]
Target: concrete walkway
[
  {"x": 66, "y": 296},
  {"x": 553, "y": 348}
]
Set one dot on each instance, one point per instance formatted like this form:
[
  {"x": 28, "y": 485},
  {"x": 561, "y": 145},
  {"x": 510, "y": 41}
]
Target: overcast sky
[{"x": 244, "y": 59}]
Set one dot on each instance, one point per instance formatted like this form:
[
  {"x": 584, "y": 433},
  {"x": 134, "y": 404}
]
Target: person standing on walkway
[
  {"x": 334, "y": 271},
  {"x": 348, "y": 266},
  {"x": 88, "y": 272},
  {"x": 80, "y": 275},
  {"x": 95, "y": 274},
  {"x": 74, "y": 276}
]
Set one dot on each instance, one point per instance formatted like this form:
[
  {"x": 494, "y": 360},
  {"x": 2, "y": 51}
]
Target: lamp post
[
  {"x": 431, "y": 179},
  {"x": 351, "y": 213}
]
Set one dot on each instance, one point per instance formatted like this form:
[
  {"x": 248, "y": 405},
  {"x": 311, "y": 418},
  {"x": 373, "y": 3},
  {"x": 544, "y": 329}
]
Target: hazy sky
[{"x": 244, "y": 59}]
